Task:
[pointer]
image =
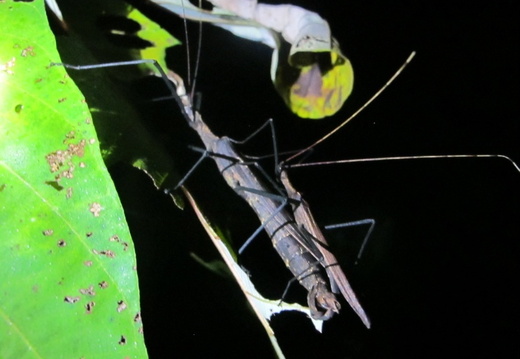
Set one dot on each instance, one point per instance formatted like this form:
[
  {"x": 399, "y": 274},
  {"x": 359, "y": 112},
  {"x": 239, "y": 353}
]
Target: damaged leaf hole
[
  {"x": 115, "y": 238},
  {"x": 107, "y": 253},
  {"x": 89, "y": 307},
  {"x": 89, "y": 234},
  {"x": 62, "y": 243},
  {"x": 70, "y": 299},
  {"x": 137, "y": 317},
  {"x": 122, "y": 341},
  {"x": 121, "y": 305}
]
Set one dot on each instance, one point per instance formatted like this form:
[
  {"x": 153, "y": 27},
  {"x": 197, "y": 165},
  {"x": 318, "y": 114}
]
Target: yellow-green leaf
[{"x": 314, "y": 85}]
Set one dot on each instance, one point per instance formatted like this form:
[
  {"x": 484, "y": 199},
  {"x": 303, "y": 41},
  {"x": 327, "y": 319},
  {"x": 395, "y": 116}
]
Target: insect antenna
[
  {"x": 365, "y": 105},
  {"x": 401, "y": 158},
  {"x": 191, "y": 79}
]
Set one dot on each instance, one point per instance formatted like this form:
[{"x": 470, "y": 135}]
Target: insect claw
[{"x": 322, "y": 303}]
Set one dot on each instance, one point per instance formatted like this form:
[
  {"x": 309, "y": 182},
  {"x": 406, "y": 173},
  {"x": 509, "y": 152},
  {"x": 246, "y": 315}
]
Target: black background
[{"x": 439, "y": 275}]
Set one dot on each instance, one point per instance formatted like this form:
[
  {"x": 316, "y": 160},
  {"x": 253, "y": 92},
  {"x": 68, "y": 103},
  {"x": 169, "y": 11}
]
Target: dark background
[{"x": 440, "y": 274}]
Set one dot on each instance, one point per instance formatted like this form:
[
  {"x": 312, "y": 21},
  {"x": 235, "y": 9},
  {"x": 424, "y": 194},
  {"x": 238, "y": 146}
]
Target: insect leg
[
  {"x": 369, "y": 221},
  {"x": 185, "y": 109},
  {"x": 284, "y": 201}
]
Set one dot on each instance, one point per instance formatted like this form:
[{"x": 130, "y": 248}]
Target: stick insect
[
  {"x": 293, "y": 232},
  {"x": 298, "y": 253},
  {"x": 295, "y": 236}
]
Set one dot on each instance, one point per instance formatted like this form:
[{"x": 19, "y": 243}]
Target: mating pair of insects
[{"x": 284, "y": 215}]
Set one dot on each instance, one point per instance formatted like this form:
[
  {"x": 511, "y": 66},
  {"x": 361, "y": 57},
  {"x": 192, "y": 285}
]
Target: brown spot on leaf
[
  {"x": 69, "y": 192},
  {"x": 103, "y": 284},
  {"x": 60, "y": 100},
  {"x": 95, "y": 209},
  {"x": 88, "y": 263},
  {"x": 61, "y": 160},
  {"x": 121, "y": 305},
  {"x": 28, "y": 51},
  {"x": 88, "y": 291},
  {"x": 89, "y": 234},
  {"x": 70, "y": 299},
  {"x": 57, "y": 159},
  {"x": 114, "y": 238},
  {"x": 68, "y": 173},
  {"x": 48, "y": 232},
  {"x": 62, "y": 243},
  {"x": 8, "y": 66},
  {"x": 89, "y": 307},
  {"x": 107, "y": 253},
  {"x": 77, "y": 149},
  {"x": 69, "y": 136},
  {"x": 137, "y": 317}
]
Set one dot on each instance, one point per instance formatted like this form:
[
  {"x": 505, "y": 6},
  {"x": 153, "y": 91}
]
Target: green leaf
[
  {"x": 159, "y": 38},
  {"x": 122, "y": 120},
  {"x": 69, "y": 283}
]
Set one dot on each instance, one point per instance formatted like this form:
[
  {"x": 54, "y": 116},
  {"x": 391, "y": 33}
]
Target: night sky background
[{"x": 439, "y": 275}]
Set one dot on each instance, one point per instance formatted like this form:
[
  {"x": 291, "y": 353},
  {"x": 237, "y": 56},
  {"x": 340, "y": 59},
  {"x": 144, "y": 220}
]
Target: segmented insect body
[
  {"x": 288, "y": 240},
  {"x": 309, "y": 228}
]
